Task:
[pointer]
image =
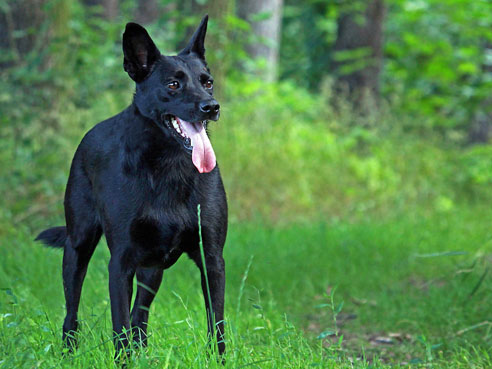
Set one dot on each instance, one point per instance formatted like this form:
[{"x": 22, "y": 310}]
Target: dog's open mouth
[{"x": 194, "y": 137}]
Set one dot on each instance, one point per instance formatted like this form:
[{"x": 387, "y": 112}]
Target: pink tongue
[{"x": 203, "y": 155}]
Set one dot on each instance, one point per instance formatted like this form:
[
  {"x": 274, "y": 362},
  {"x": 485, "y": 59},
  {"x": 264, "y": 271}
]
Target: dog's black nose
[{"x": 209, "y": 107}]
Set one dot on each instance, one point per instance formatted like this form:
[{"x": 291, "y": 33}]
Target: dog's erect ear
[
  {"x": 196, "y": 44},
  {"x": 140, "y": 52}
]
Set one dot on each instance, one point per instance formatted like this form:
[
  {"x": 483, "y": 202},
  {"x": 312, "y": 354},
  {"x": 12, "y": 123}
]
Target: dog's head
[{"x": 176, "y": 92}]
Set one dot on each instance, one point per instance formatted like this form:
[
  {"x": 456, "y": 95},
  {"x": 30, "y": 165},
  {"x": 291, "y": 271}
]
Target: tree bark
[
  {"x": 21, "y": 18},
  {"x": 218, "y": 10},
  {"x": 266, "y": 30},
  {"x": 359, "y": 52},
  {"x": 147, "y": 11},
  {"x": 480, "y": 130},
  {"x": 110, "y": 7}
]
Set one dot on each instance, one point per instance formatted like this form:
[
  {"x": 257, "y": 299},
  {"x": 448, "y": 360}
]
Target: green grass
[
  {"x": 375, "y": 252},
  {"x": 415, "y": 290}
]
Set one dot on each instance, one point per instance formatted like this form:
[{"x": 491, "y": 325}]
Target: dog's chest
[
  {"x": 161, "y": 235},
  {"x": 164, "y": 198}
]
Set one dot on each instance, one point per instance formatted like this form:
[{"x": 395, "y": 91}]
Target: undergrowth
[{"x": 285, "y": 155}]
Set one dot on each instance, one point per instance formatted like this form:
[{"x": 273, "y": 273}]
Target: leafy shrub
[{"x": 285, "y": 153}]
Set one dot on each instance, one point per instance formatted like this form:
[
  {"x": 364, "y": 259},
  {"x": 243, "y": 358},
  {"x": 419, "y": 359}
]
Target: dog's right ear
[{"x": 140, "y": 52}]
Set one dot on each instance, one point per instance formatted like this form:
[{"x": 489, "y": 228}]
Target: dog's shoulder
[
  {"x": 105, "y": 131},
  {"x": 106, "y": 136},
  {"x": 100, "y": 143}
]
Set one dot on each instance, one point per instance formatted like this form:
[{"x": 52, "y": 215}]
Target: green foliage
[
  {"x": 288, "y": 155},
  {"x": 319, "y": 197},
  {"x": 308, "y": 33},
  {"x": 438, "y": 60},
  {"x": 477, "y": 167},
  {"x": 437, "y": 55}
]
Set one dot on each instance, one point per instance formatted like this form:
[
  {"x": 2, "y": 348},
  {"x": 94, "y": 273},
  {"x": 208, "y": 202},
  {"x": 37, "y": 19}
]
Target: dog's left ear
[
  {"x": 140, "y": 52},
  {"x": 197, "y": 42}
]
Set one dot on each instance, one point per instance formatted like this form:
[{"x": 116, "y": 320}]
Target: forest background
[{"x": 354, "y": 143}]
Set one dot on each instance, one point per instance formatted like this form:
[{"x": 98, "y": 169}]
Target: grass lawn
[{"x": 412, "y": 290}]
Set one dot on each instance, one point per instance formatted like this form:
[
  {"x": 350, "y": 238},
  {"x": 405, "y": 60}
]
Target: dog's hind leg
[
  {"x": 75, "y": 261},
  {"x": 84, "y": 232},
  {"x": 148, "y": 281}
]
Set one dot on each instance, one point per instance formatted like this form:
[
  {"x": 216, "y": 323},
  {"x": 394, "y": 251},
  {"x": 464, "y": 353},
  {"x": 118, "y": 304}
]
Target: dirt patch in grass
[{"x": 359, "y": 344}]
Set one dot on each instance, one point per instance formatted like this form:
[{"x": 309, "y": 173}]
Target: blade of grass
[{"x": 241, "y": 287}]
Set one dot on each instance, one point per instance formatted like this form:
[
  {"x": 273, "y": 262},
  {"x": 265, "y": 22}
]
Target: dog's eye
[
  {"x": 174, "y": 85},
  {"x": 209, "y": 84}
]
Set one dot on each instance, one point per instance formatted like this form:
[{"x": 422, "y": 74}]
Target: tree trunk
[
  {"x": 22, "y": 30},
  {"x": 480, "y": 130},
  {"x": 147, "y": 11},
  {"x": 216, "y": 41},
  {"x": 266, "y": 30},
  {"x": 359, "y": 52},
  {"x": 110, "y": 8},
  {"x": 19, "y": 21}
]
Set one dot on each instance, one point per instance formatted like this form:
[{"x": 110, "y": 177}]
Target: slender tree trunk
[
  {"x": 216, "y": 41},
  {"x": 190, "y": 8},
  {"x": 480, "y": 130},
  {"x": 110, "y": 7},
  {"x": 147, "y": 11},
  {"x": 359, "y": 52},
  {"x": 267, "y": 31},
  {"x": 59, "y": 19}
]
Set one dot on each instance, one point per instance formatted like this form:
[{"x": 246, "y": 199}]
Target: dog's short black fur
[{"x": 138, "y": 177}]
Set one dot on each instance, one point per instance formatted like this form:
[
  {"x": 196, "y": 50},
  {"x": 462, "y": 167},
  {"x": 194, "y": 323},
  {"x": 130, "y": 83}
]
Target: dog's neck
[{"x": 150, "y": 149}]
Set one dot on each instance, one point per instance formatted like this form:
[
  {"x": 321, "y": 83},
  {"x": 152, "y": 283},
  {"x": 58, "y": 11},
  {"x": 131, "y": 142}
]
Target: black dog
[{"x": 138, "y": 177}]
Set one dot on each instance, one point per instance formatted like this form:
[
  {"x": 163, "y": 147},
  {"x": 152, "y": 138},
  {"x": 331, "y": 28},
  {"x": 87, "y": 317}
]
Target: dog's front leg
[
  {"x": 149, "y": 281},
  {"x": 120, "y": 292},
  {"x": 215, "y": 269}
]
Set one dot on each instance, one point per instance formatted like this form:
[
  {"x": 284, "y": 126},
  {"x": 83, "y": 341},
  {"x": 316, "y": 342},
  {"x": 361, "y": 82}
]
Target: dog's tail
[{"x": 54, "y": 237}]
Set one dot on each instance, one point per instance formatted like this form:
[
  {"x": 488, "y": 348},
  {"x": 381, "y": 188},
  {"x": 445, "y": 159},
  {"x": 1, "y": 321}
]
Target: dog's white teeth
[{"x": 177, "y": 127}]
